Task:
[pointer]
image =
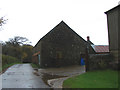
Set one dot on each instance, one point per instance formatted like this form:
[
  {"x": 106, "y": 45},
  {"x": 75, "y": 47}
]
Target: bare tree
[
  {"x": 17, "y": 40},
  {"x": 2, "y": 21}
]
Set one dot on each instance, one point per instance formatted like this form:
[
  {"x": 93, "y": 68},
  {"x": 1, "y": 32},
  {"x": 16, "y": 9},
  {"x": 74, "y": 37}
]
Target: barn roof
[
  {"x": 100, "y": 48},
  {"x": 61, "y": 24}
]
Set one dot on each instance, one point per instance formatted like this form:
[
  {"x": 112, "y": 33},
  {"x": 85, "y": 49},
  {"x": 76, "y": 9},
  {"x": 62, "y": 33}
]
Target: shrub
[{"x": 35, "y": 65}]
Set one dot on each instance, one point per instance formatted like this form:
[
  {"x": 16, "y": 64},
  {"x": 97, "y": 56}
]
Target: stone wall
[
  {"x": 100, "y": 61},
  {"x": 60, "y": 55}
]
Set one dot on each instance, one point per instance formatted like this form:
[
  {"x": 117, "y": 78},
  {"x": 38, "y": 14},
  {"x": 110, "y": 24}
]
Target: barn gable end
[{"x": 61, "y": 46}]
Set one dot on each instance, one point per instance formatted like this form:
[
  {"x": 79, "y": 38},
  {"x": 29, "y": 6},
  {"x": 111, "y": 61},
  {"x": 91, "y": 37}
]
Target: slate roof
[
  {"x": 100, "y": 48},
  {"x": 61, "y": 24}
]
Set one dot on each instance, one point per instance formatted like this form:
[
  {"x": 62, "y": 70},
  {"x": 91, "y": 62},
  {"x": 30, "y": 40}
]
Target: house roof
[
  {"x": 112, "y": 9},
  {"x": 100, "y": 48}
]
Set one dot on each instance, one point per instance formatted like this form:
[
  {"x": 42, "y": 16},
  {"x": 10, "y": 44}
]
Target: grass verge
[
  {"x": 35, "y": 65},
  {"x": 6, "y": 66},
  {"x": 95, "y": 79}
]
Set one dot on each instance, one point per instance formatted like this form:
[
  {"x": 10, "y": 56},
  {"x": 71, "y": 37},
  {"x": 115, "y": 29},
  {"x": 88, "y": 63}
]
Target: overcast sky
[{"x": 34, "y": 18}]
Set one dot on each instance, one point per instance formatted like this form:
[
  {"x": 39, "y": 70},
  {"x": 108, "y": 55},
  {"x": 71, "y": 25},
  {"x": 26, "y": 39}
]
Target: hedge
[{"x": 8, "y": 60}]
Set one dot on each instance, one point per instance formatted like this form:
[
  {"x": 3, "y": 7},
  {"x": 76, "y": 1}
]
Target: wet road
[{"x": 21, "y": 76}]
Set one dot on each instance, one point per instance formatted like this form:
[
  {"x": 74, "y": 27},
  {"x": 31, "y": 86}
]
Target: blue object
[{"x": 82, "y": 61}]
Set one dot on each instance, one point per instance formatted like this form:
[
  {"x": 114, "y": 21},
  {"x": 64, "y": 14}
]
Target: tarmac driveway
[{"x": 22, "y": 76}]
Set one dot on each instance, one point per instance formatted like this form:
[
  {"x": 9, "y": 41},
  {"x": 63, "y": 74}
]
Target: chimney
[{"x": 88, "y": 38}]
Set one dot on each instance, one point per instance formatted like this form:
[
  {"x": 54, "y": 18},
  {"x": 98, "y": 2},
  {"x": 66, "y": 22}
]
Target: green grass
[
  {"x": 7, "y": 66},
  {"x": 96, "y": 79},
  {"x": 8, "y": 61},
  {"x": 35, "y": 65}
]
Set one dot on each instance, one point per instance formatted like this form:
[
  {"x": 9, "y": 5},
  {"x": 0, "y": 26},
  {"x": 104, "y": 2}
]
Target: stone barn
[{"x": 60, "y": 47}]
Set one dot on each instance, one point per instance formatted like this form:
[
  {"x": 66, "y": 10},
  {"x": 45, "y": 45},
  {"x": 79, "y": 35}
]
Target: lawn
[{"x": 95, "y": 79}]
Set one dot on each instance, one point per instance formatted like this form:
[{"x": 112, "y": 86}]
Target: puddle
[{"x": 46, "y": 77}]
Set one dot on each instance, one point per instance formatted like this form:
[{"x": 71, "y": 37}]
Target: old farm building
[
  {"x": 113, "y": 20},
  {"x": 60, "y": 47}
]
